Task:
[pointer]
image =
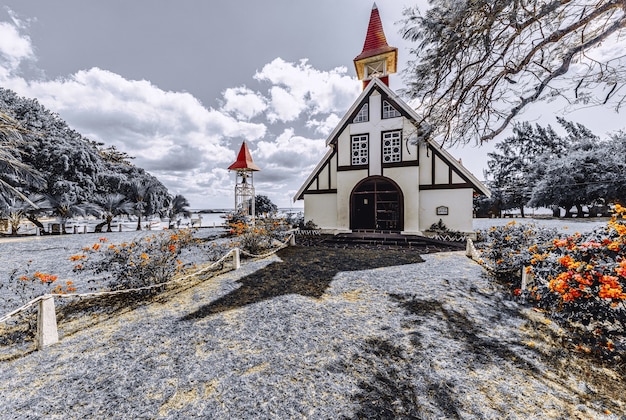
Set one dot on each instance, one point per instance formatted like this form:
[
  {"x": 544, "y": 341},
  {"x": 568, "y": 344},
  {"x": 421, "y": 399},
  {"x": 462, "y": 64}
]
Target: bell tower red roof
[
  {"x": 244, "y": 160},
  {"x": 375, "y": 40},
  {"x": 376, "y": 50}
]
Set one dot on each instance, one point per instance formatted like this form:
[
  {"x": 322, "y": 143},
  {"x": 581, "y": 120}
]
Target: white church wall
[
  {"x": 346, "y": 181},
  {"x": 441, "y": 171},
  {"x": 322, "y": 210},
  {"x": 344, "y": 151},
  {"x": 426, "y": 177},
  {"x": 460, "y": 208}
]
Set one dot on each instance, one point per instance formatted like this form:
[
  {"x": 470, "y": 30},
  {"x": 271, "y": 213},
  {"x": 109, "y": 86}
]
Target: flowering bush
[
  {"x": 151, "y": 260},
  {"x": 584, "y": 279},
  {"x": 578, "y": 279},
  {"x": 260, "y": 236},
  {"x": 507, "y": 249},
  {"x": 28, "y": 285}
]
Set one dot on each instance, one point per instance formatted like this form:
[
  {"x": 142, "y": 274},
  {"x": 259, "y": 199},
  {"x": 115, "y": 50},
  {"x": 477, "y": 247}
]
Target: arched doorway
[{"x": 376, "y": 203}]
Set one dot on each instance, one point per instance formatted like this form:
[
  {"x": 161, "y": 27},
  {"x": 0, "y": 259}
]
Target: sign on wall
[{"x": 442, "y": 211}]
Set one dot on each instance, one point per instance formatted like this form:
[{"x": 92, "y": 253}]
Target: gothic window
[
  {"x": 363, "y": 115},
  {"x": 360, "y": 149},
  {"x": 392, "y": 146},
  {"x": 389, "y": 111}
]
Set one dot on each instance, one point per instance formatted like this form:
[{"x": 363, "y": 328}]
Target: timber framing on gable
[
  {"x": 452, "y": 170},
  {"x": 313, "y": 186}
]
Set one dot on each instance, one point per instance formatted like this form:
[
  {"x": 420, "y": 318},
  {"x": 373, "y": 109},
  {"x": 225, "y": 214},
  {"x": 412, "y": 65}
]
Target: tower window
[
  {"x": 375, "y": 69},
  {"x": 360, "y": 146},
  {"x": 389, "y": 111},
  {"x": 392, "y": 146},
  {"x": 363, "y": 115}
]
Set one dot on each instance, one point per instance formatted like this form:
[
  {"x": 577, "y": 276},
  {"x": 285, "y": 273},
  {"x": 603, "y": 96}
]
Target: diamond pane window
[
  {"x": 392, "y": 147},
  {"x": 360, "y": 150},
  {"x": 363, "y": 115},
  {"x": 389, "y": 111}
]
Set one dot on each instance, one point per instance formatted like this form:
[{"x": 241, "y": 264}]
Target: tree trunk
[
  {"x": 579, "y": 211},
  {"x": 568, "y": 212},
  {"x": 99, "y": 226},
  {"x": 139, "y": 223},
  {"x": 36, "y": 222},
  {"x": 521, "y": 211},
  {"x": 556, "y": 211}
]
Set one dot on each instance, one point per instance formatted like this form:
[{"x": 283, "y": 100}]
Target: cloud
[
  {"x": 185, "y": 144},
  {"x": 14, "y": 49},
  {"x": 243, "y": 103},
  {"x": 298, "y": 87}
]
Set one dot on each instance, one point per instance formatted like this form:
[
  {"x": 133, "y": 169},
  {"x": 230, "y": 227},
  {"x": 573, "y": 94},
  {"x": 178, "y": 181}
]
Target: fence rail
[{"x": 47, "y": 333}]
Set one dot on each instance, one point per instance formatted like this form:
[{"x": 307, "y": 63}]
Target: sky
[{"x": 179, "y": 85}]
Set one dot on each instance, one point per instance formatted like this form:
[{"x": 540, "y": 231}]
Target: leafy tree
[
  {"x": 112, "y": 205},
  {"x": 179, "y": 206},
  {"x": 514, "y": 168},
  {"x": 66, "y": 206},
  {"x": 478, "y": 63},
  {"x": 12, "y": 170},
  {"x": 263, "y": 204}
]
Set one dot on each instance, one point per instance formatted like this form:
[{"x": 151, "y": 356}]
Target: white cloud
[
  {"x": 183, "y": 143},
  {"x": 14, "y": 48},
  {"x": 306, "y": 88},
  {"x": 324, "y": 126},
  {"x": 243, "y": 103}
]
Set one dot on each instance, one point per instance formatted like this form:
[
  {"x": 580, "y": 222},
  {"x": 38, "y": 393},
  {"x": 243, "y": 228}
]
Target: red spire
[
  {"x": 244, "y": 160},
  {"x": 375, "y": 40}
]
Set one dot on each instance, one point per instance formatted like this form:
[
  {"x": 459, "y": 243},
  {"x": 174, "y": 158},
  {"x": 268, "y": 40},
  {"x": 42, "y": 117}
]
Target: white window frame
[
  {"x": 389, "y": 111},
  {"x": 392, "y": 152},
  {"x": 376, "y": 69},
  {"x": 359, "y": 149},
  {"x": 363, "y": 115}
]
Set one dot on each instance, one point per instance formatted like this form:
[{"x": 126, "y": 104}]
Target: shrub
[
  {"x": 151, "y": 260},
  {"x": 261, "y": 236}
]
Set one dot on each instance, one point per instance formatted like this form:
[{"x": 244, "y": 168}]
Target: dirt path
[{"x": 318, "y": 333}]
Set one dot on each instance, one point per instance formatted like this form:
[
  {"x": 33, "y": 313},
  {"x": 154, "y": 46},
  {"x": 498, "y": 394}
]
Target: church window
[
  {"x": 389, "y": 111},
  {"x": 360, "y": 149},
  {"x": 375, "y": 69},
  {"x": 392, "y": 146},
  {"x": 363, "y": 115}
]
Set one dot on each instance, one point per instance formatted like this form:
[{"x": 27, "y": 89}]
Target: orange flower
[
  {"x": 145, "y": 256},
  {"x": 77, "y": 257},
  {"x": 172, "y": 248},
  {"x": 103, "y": 240},
  {"x": 95, "y": 247},
  {"x": 614, "y": 246}
]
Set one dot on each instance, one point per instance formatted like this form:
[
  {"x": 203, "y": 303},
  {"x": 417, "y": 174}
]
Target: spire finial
[{"x": 374, "y": 7}]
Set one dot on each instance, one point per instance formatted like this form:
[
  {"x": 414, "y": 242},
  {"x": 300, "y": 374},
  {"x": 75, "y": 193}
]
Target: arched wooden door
[{"x": 376, "y": 203}]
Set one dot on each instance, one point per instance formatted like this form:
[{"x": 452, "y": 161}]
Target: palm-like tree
[
  {"x": 112, "y": 205},
  {"x": 139, "y": 197},
  {"x": 65, "y": 207},
  {"x": 14, "y": 209},
  {"x": 12, "y": 169},
  {"x": 178, "y": 207}
]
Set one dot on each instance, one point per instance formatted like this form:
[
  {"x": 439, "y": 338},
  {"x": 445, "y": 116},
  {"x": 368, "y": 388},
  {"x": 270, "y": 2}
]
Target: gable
[{"x": 446, "y": 172}]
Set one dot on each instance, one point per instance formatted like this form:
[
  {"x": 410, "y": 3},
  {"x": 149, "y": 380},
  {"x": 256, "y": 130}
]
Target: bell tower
[
  {"x": 244, "y": 168},
  {"x": 377, "y": 59}
]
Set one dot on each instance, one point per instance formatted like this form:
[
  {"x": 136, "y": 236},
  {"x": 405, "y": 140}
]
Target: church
[{"x": 375, "y": 175}]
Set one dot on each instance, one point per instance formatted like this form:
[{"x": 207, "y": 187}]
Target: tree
[
  {"x": 66, "y": 206},
  {"x": 263, "y": 204},
  {"x": 478, "y": 63},
  {"x": 179, "y": 206},
  {"x": 112, "y": 205},
  {"x": 12, "y": 170},
  {"x": 514, "y": 167}
]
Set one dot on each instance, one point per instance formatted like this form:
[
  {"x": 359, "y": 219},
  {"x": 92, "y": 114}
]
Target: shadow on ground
[
  {"x": 305, "y": 271},
  {"x": 400, "y": 381}
]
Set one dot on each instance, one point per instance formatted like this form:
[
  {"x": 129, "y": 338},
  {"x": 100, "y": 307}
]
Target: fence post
[
  {"x": 468, "y": 249},
  {"x": 526, "y": 278},
  {"x": 236, "y": 260},
  {"x": 47, "y": 333}
]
